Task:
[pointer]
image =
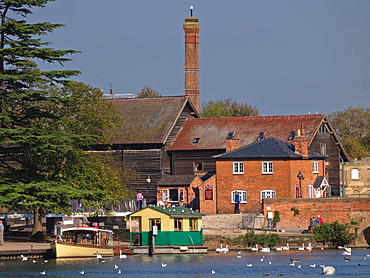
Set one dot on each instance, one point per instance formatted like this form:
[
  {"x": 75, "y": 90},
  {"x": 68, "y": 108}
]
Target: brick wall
[{"x": 343, "y": 210}]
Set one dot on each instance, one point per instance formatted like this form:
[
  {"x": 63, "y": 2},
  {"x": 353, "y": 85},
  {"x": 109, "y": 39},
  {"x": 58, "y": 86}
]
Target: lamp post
[
  {"x": 148, "y": 180},
  {"x": 300, "y": 178}
]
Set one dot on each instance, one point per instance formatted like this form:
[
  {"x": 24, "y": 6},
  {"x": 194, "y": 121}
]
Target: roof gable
[
  {"x": 148, "y": 120},
  {"x": 212, "y": 132}
]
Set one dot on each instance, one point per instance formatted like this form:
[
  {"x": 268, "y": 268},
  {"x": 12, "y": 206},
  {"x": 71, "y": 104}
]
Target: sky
[{"x": 284, "y": 57}]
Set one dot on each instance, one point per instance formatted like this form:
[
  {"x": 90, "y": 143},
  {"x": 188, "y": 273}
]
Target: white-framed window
[
  {"x": 315, "y": 167},
  {"x": 355, "y": 174},
  {"x": 242, "y": 194},
  {"x": 238, "y": 168},
  {"x": 268, "y": 194},
  {"x": 173, "y": 195},
  {"x": 310, "y": 191},
  {"x": 267, "y": 167}
]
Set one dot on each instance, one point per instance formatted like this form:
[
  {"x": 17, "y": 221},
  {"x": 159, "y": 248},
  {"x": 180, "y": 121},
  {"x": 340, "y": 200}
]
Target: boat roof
[{"x": 82, "y": 228}]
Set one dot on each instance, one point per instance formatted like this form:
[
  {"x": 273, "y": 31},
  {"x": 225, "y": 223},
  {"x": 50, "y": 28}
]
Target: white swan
[
  {"x": 122, "y": 256},
  {"x": 265, "y": 249},
  {"x": 218, "y": 250},
  {"x": 328, "y": 270},
  {"x": 164, "y": 265},
  {"x": 347, "y": 252},
  {"x": 301, "y": 248},
  {"x": 226, "y": 249},
  {"x": 286, "y": 248},
  {"x": 279, "y": 248},
  {"x": 255, "y": 248},
  {"x": 309, "y": 247},
  {"x": 24, "y": 258}
]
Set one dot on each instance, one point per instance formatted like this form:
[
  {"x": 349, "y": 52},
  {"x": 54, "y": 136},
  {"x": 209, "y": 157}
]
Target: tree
[
  {"x": 227, "y": 108},
  {"x": 353, "y": 127},
  {"x": 43, "y": 128},
  {"x": 148, "y": 92}
]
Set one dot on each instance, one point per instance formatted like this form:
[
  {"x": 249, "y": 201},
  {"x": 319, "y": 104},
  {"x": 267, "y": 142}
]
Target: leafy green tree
[
  {"x": 353, "y": 127},
  {"x": 43, "y": 128},
  {"x": 148, "y": 92},
  {"x": 334, "y": 234},
  {"x": 227, "y": 108}
]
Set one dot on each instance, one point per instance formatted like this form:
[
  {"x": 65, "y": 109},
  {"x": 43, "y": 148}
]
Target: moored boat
[{"x": 82, "y": 242}]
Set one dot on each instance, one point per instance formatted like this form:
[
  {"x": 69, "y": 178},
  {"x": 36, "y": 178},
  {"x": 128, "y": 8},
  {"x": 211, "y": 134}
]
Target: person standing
[
  {"x": 139, "y": 200},
  {"x": 319, "y": 219},
  {"x": 1, "y": 233},
  {"x": 237, "y": 202}
]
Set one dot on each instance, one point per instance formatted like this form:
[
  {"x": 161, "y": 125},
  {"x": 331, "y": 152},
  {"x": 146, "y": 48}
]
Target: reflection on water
[{"x": 213, "y": 264}]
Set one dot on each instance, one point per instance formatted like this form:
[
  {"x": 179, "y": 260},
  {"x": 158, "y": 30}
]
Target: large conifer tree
[{"x": 35, "y": 144}]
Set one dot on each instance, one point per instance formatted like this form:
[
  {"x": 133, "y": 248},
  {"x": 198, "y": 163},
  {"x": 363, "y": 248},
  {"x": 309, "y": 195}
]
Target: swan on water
[
  {"x": 301, "y": 248},
  {"x": 286, "y": 248},
  {"x": 309, "y": 247},
  {"x": 218, "y": 250},
  {"x": 328, "y": 270},
  {"x": 122, "y": 256},
  {"x": 255, "y": 248},
  {"x": 226, "y": 249}
]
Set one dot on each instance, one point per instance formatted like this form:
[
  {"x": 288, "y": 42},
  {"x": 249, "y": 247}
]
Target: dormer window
[
  {"x": 292, "y": 135},
  {"x": 261, "y": 135}
]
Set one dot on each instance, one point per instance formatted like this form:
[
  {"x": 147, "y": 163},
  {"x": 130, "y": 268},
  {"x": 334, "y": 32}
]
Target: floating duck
[
  {"x": 82, "y": 272},
  {"x": 249, "y": 265},
  {"x": 213, "y": 272},
  {"x": 43, "y": 272},
  {"x": 164, "y": 265}
]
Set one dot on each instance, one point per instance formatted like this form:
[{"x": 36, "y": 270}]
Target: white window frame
[
  {"x": 268, "y": 194},
  {"x": 267, "y": 167},
  {"x": 243, "y": 196},
  {"x": 315, "y": 167},
  {"x": 238, "y": 168},
  {"x": 355, "y": 174}
]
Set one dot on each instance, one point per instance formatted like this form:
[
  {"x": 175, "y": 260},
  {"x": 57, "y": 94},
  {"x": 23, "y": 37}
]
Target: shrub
[{"x": 334, "y": 234}]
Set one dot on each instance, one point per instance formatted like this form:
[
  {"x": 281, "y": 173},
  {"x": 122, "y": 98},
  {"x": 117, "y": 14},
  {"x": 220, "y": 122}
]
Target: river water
[{"x": 231, "y": 264}]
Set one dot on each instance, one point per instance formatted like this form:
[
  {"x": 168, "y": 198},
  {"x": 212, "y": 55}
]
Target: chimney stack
[
  {"x": 191, "y": 29},
  {"x": 301, "y": 142}
]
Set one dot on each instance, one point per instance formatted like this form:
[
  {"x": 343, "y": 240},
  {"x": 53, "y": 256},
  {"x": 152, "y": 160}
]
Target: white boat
[{"x": 82, "y": 242}]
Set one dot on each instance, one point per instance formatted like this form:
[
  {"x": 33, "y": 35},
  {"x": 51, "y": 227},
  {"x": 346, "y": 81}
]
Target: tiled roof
[
  {"x": 267, "y": 148},
  {"x": 176, "y": 180},
  {"x": 212, "y": 132},
  {"x": 147, "y": 120}
]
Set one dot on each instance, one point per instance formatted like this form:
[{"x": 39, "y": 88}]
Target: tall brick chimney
[
  {"x": 301, "y": 142},
  {"x": 191, "y": 29}
]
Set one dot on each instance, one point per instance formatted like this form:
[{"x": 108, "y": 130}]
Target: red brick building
[{"x": 268, "y": 168}]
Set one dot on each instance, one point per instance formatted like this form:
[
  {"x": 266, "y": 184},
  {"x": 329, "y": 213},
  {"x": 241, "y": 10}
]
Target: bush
[
  {"x": 265, "y": 239},
  {"x": 334, "y": 234}
]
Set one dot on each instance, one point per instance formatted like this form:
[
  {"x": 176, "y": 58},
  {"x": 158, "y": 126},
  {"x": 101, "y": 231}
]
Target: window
[
  {"x": 156, "y": 222},
  {"x": 238, "y": 168},
  {"x": 265, "y": 194},
  {"x": 198, "y": 166},
  {"x": 355, "y": 174},
  {"x": 323, "y": 148},
  {"x": 173, "y": 195},
  {"x": 315, "y": 167},
  {"x": 193, "y": 224},
  {"x": 310, "y": 191},
  {"x": 267, "y": 167},
  {"x": 323, "y": 129},
  {"x": 178, "y": 224},
  {"x": 242, "y": 194}
]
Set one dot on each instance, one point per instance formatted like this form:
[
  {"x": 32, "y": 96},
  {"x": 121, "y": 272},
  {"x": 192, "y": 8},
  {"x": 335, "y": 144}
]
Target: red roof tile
[{"x": 212, "y": 132}]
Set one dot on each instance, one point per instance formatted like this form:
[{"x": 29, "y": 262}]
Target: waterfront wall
[{"x": 344, "y": 210}]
